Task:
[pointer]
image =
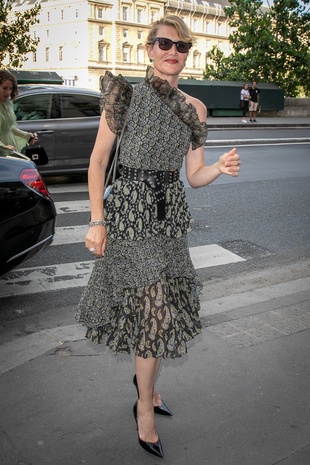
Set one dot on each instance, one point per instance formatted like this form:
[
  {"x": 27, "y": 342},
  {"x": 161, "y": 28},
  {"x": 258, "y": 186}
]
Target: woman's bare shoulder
[{"x": 198, "y": 104}]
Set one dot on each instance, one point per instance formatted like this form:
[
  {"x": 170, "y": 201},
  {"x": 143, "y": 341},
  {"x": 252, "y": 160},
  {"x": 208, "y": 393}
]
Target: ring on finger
[{"x": 92, "y": 249}]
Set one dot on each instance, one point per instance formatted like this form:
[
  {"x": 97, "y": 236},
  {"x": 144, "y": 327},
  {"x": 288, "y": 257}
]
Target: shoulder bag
[{"x": 113, "y": 170}]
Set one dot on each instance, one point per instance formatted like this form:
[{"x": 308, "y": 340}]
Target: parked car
[
  {"x": 27, "y": 212},
  {"x": 66, "y": 120}
]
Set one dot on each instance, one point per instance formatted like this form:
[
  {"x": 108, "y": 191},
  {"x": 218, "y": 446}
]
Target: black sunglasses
[{"x": 166, "y": 44}]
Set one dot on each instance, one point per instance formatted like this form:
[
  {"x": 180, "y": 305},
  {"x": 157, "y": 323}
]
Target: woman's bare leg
[
  {"x": 146, "y": 370},
  {"x": 156, "y": 396}
]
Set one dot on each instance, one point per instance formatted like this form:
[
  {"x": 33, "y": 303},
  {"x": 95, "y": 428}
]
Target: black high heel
[
  {"x": 154, "y": 448},
  {"x": 161, "y": 409}
]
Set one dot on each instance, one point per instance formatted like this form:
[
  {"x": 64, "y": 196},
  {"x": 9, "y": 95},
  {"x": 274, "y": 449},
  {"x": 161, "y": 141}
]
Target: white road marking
[
  {"x": 70, "y": 234},
  {"x": 212, "y": 255},
  {"x": 71, "y": 275},
  {"x": 70, "y": 188},
  {"x": 72, "y": 206}
]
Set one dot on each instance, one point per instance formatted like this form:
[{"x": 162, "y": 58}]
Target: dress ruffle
[
  {"x": 116, "y": 93},
  {"x": 177, "y": 102},
  {"x": 150, "y": 298}
]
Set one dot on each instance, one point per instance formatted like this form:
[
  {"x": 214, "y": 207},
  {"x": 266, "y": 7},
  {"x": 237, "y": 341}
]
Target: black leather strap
[{"x": 155, "y": 180}]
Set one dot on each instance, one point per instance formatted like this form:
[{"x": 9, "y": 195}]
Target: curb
[{"x": 223, "y": 142}]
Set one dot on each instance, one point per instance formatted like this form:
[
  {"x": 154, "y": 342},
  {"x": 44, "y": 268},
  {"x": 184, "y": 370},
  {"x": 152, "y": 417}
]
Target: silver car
[{"x": 66, "y": 120}]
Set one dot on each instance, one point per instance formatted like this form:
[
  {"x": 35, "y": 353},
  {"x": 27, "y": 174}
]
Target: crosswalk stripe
[
  {"x": 69, "y": 189},
  {"x": 70, "y": 234},
  {"x": 71, "y": 275},
  {"x": 72, "y": 206}
]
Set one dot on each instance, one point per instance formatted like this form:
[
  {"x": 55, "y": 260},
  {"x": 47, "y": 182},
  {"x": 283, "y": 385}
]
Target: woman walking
[{"x": 143, "y": 292}]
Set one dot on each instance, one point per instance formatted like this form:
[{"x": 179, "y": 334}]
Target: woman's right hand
[
  {"x": 10, "y": 147},
  {"x": 96, "y": 240}
]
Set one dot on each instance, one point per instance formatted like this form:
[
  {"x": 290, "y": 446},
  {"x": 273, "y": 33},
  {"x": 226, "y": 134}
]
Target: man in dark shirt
[{"x": 254, "y": 102}]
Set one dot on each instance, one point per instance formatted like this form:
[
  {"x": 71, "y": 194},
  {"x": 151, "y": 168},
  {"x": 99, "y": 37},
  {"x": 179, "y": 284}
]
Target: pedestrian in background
[
  {"x": 10, "y": 136},
  {"x": 244, "y": 99},
  {"x": 254, "y": 102},
  {"x": 143, "y": 293}
]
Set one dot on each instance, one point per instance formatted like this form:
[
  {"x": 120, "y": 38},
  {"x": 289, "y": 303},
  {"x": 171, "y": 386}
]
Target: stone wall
[{"x": 292, "y": 107}]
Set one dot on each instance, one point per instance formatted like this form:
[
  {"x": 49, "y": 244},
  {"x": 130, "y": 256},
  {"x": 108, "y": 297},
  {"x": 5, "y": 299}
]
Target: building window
[
  {"x": 126, "y": 54},
  {"x": 196, "y": 60},
  {"x": 47, "y": 33},
  {"x": 34, "y": 57},
  {"x": 154, "y": 15},
  {"x": 125, "y": 13},
  {"x": 62, "y": 14},
  {"x": 48, "y": 16},
  {"x": 101, "y": 30},
  {"x": 140, "y": 55},
  {"x": 139, "y": 15},
  {"x": 195, "y": 25},
  {"x": 76, "y": 13},
  {"x": 34, "y": 34},
  {"x": 102, "y": 52},
  {"x": 139, "y": 34},
  {"x": 100, "y": 13},
  {"x": 125, "y": 32},
  {"x": 47, "y": 54},
  {"x": 60, "y": 53}
]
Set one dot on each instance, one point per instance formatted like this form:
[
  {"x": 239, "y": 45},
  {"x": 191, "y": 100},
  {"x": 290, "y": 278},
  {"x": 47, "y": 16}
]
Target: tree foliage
[
  {"x": 15, "y": 38},
  {"x": 270, "y": 45}
]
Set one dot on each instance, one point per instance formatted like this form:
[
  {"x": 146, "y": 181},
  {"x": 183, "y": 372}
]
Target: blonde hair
[{"x": 179, "y": 25}]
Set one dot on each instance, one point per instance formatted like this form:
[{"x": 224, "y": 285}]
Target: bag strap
[{"x": 113, "y": 167}]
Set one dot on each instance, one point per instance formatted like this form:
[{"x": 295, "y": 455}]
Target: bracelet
[{"x": 97, "y": 223}]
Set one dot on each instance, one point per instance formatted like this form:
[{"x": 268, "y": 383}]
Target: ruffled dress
[{"x": 143, "y": 295}]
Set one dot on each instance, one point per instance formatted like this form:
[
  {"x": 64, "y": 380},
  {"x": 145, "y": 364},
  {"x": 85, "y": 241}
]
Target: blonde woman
[{"x": 143, "y": 294}]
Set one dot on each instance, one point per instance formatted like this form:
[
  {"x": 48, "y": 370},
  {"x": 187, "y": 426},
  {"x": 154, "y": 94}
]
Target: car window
[
  {"x": 79, "y": 105},
  {"x": 33, "y": 107}
]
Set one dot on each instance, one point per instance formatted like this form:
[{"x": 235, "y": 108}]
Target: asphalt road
[{"x": 262, "y": 217}]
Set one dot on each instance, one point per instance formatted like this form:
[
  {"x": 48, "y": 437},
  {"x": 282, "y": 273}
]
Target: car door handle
[{"x": 45, "y": 131}]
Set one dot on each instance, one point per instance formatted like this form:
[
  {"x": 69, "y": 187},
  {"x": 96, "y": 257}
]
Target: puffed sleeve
[{"x": 116, "y": 93}]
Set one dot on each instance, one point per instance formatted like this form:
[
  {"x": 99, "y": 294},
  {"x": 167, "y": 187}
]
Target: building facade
[{"x": 81, "y": 39}]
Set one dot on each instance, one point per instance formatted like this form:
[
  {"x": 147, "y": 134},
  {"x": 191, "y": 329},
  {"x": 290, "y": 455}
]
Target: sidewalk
[
  {"x": 240, "y": 397},
  {"x": 272, "y": 121}
]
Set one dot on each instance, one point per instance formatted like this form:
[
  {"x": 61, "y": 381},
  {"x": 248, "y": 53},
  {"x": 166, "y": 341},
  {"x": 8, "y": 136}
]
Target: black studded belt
[{"x": 154, "y": 179}]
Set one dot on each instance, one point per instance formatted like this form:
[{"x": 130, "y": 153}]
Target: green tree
[
  {"x": 270, "y": 45},
  {"x": 15, "y": 39}
]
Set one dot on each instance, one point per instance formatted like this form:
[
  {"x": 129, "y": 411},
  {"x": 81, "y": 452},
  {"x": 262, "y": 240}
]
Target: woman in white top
[{"x": 245, "y": 97}]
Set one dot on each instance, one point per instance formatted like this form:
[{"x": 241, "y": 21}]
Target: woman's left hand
[{"x": 229, "y": 163}]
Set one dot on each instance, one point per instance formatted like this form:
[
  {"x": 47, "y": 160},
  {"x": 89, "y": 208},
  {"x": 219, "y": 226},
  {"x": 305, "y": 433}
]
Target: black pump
[
  {"x": 161, "y": 409},
  {"x": 154, "y": 448}
]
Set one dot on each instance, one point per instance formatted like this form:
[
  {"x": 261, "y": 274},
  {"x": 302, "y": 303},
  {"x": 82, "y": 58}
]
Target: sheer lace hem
[{"x": 154, "y": 321}]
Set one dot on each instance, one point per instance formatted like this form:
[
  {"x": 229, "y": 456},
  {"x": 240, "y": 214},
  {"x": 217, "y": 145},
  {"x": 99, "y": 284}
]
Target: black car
[
  {"x": 66, "y": 120},
  {"x": 27, "y": 212}
]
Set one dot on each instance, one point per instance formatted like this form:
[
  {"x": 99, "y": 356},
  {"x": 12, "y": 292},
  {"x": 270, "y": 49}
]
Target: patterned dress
[{"x": 144, "y": 293}]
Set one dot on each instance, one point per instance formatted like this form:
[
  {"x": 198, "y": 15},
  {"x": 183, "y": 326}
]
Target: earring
[{"x": 151, "y": 61}]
